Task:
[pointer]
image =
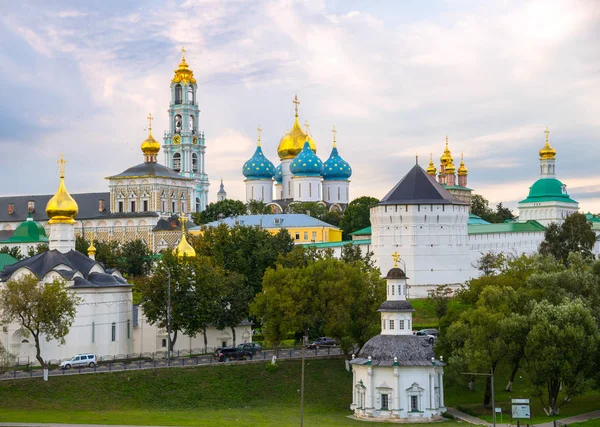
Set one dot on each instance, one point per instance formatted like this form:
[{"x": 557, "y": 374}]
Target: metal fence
[{"x": 158, "y": 359}]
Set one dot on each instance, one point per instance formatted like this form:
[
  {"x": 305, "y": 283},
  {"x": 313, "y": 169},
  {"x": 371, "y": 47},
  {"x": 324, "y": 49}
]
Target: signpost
[
  {"x": 520, "y": 410},
  {"x": 499, "y": 411}
]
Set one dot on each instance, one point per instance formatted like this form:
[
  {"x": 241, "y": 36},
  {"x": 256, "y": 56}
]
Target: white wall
[
  {"x": 546, "y": 212},
  {"x": 259, "y": 189},
  {"x": 306, "y": 188},
  {"x": 336, "y": 191}
]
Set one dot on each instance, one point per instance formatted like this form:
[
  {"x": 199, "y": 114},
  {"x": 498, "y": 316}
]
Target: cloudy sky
[{"x": 394, "y": 77}]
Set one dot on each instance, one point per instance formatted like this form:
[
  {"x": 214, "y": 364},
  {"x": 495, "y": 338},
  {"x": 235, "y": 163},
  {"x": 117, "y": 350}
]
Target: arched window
[
  {"x": 177, "y": 162},
  {"x": 194, "y": 162},
  {"x": 190, "y": 95},
  {"x": 191, "y": 123},
  {"x": 198, "y": 204},
  {"x": 178, "y": 94},
  {"x": 177, "y": 124}
]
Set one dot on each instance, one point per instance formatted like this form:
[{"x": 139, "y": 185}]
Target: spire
[
  {"x": 150, "y": 146},
  {"x": 62, "y": 208},
  {"x": 92, "y": 249},
  {"x": 431, "y": 170},
  {"x": 462, "y": 169},
  {"x": 547, "y": 153}
]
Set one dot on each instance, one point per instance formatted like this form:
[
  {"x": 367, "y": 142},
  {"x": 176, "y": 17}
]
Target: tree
[
  {"x": 332, "y": 217},
  {"x": 222, "y": 209},
  {"x": 575, "y": 234},
  {"x": 42, "y": 247},
  {"x": 234, "y": 299},
  {"x": 257, "y": 207},
  {"x": 41, "y": 309},
  {"x": 314, "y": 209},
  {"x": 107, "y": 253},
  {"x": 481, "y": 207},
  {"x": 357, "y": 215},
  {"x": 14, "y": 252},
  {"x": 491, "y": 263},
  {"x": 503, "y": 214},
  {"x": 134, "y": 258},
  {"x": 561, "y": 350},
  {"x": 6, "y": 359},
  {"x": 440, "y": 298}
]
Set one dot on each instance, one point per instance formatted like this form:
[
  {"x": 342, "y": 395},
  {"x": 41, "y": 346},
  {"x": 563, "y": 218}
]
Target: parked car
[
  {"x": 423, "y": 334},
  {"x": 80, "y": 360},
  {"x": 322, "y": 342},
  {"x": 433, "y": 332},
  {"x": 251, "y": 347},
  {"x": 232, "y": 353}
]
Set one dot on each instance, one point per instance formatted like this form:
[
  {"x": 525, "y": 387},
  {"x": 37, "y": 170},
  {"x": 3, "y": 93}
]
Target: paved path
[
  {"x": 478, "y": 421},
  {"x": 62, "y": 425}
]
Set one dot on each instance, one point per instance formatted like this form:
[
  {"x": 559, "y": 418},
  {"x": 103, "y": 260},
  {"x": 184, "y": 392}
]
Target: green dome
[
  {"x": 548, "y": 190},
  {"x": 29, "y": 231}
]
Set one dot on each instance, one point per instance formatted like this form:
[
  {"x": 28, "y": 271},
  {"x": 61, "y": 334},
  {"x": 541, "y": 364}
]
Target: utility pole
[
  {"x": 168, "y": 317},
  {"x": 491, "y": 374},
  {"x": 302, "y": 387}
]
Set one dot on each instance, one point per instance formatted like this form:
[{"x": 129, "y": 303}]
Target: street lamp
[
  {"x": 491, "y": 374},
  {"x": 168, "y": 316}
]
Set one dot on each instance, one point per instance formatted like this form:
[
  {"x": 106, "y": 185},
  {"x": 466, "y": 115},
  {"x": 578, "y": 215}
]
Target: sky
[{"x": 394, "y": 77}]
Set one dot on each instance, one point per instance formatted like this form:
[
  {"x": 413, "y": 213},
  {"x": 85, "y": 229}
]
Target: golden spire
[
  {"x": 259, "y": 131},
  {"x": 462, "y": 169},
  {"x": 334, "y": 141},
  {"x": 183, "y": 74},
  {"x": 184, "y": 248},
  {"x": 91, "y": 249},
  {"x": 296, "y": 102},
  {"x": 547, "y": 152},
  {"x": 292, "y": 142},
  {"x": 62, "y": 208},
  {"x": 150, "y": 146},
  {"x": 396, "y": 257},
  {"x": 447, "y": 156},
  {"x": 431, "y": 170}
]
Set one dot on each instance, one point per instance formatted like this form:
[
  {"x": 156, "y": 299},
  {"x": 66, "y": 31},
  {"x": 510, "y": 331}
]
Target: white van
[{"x": 80, "y": 361}]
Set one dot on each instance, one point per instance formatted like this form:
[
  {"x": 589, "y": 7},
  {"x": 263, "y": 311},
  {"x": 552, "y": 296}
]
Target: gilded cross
[
  {"x": 259, "y": 131},
  {"x": 546, "y": 132},
  {"x": 150, "y": 120},
  {"x": 396, "y": 257},
  {"x": 183, "y": 51},
  {"x": 295, "y": 101},
  {"x": 306, "y": 126},
  {"x": 334, "y": 132},
  {"x": 446, "y": 139},
  {"x": 61, "y": 165}
]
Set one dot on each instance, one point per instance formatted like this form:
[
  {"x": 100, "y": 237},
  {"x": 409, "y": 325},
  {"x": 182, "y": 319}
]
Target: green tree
[
  {"x": 357, "y": 215},
  {"x": 42, "y": 247},
  {"x": 107, "y": 253},
  {"x": 222, "y": 209},
  {"x": 40, "y": 309},
  {"x": 14, "y": 252},
  {"x": 503, "y": 213},
  {"x": 491, "y": 263},
  {"x": 481, "y": 207},
  {"x": 6, "y": 359},
  {"x": 257, "y": 207},
  {"x": 314, "y": 209},
  {"x": 134, "y": 258},
  {"x": 440, "y": 298},
  {"x": 81, "y": 245},
  {"x": 575, "y": 234},
  {"x": 332, "y": 217},
  {"x": 561, "y": 350},
  {"x": 234, "y": 300}
]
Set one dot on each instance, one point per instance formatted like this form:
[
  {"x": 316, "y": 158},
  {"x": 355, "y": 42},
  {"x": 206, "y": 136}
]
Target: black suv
[
  {"x": 251, "y": 347},
  {"x": 322, "y": 342},
  {"x": 232, "y": 353}
]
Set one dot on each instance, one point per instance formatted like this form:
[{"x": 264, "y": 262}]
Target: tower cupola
[
  {"x": 150, "y": 146},
  {"x": 335, "y": 167},
  {"x": 292, "y": 142}
]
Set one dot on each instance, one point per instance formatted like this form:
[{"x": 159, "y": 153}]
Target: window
[
  {"x": 173, "y": 206},
  {"x": 310, "y": 189},
  {"x": 384, "y": 402},
  {"x": 223, "y": 343},
  {"x": 408, "y": 324},
  {"x": 262, "y": 193},
  {"x": 183, "y": 206},
  {"x": 338, "y": 193},
  {"x": 297, "y": 236},
  {"x": 299, "y": 190},
  {"x": 414, "y": 403},
  {"x": 113, "y": 332},
  {"x": 145, "y": 205},
  {"x": 93, "y": 332},
  {"x": 194, "y": 163},
  {"x": 163, "y": 205},
  {"x": 289, "y": 188},
  {"x": 328, "y": 193},
  {"x": 132, "y": 206},
  {"x": 177, "y": 162},
  {"x": 391, "y": 324},
  {"x": 306, "y": 235},
  {"x": 393, "y": 287},
  {"x": 401, "y": 324},
  {"x": 314, "y": 235},
  {"x": 121, "y": 207},
  {"x": 191, "y": 96},
  {"x": 178, "y": 94},
  {"x": 198, "y": 204},
  {"x": 164, "y": 342},
  {"x": 128, "y": 328}
]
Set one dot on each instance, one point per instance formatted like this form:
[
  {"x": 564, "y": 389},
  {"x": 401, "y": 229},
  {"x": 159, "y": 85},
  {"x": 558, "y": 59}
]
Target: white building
[{"x": 395, "y": 376}]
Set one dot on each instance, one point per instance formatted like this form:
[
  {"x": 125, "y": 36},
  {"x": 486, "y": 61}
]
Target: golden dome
[
  {"x": 183, "y": 74},
  {"x": 150, "y": 147},
  {"x": 447, "y": 156},
  {"x": 462, "y": 169},
  {"x": 62, "y": 208},
  {"x": 547, "y": 152},
  {"x": 184, "y": 249},
  {"x": 450, "y": 168},
  {"x": 292, "y": 142},
  {"x": 91, "y": 249},
  {"x": 431, "y": 169}
]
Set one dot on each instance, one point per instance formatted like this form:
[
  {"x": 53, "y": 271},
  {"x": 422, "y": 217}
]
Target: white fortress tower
[{"x": 428, "y": 225}]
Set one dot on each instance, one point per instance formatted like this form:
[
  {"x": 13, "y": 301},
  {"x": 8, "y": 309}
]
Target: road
[{"x": 132, "y": 365}]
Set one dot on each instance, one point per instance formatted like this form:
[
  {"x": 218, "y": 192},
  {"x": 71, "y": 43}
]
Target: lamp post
[
  {"x": 491, "y": 374},
  {"x": 168, "y": 316}
]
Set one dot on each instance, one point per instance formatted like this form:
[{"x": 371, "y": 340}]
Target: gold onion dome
[
  {"x": 183, "y": 74},
  {"x": 462, "y": 169},
  {"x": 150, "y": 146},
  {"x": 447, "y": 156},
  {"x": 431, "y": 170},
  {"x": 62, "y": 208},
  {"x": 450, "y": 168},
  {"x": 91, "y": 249},
  {"x": 292, "y": 142},
  {"x": 547, "y": 152},
  {"x": 184, "y": 249}
]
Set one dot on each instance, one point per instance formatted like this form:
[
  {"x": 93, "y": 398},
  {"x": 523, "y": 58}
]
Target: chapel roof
[
  {"x": 418, "y": 187},
  {"x": 410, "y": 350},
  {"x": 149, "y": 169},
  {"x": 548, "y": 190}
]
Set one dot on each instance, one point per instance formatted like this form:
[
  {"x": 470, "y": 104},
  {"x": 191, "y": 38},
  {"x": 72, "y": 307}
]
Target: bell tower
[{"x": 184, "y": 145}]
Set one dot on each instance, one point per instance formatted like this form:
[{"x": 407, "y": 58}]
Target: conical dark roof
[{"x": 419, "y": 188}]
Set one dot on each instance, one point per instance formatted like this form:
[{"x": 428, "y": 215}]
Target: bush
[{"x": 272, "y": 368}]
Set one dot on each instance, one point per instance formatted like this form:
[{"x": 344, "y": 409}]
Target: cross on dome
[
  {"x": 183, "y": 51},
  {"x": 150, "y": 121},
  {"x": 396, "y": 258},
  {"x": 295, "y": 101},
  {"x": 259, "y": 131},
  {"x": 334, "y": 132},
  {"x": 547, "y": 132},
  {"x": 306, "y": 126},
  {"x": 61, "y": 165}
]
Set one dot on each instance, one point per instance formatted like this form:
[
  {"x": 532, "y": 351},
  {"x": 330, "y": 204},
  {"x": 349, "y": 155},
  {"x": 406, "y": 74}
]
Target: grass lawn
[
  {"x": 591, "y": 423},
  {"x": 460, "y": 397}
]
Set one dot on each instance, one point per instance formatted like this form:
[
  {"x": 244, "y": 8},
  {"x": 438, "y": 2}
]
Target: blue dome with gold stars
[
  {"x": 306, "y": 163},
  {"x": 258, "y": 167},
  {"x": 278, "y": 175},
  {"x": 336, "y": 168}
]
